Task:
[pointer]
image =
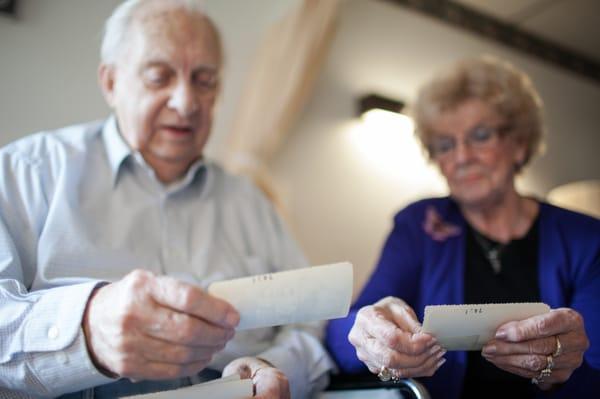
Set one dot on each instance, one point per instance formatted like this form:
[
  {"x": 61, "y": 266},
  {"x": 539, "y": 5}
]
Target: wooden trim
[
  {"x": 8, "y": 6},
  {"x": 507, "y": 34}
]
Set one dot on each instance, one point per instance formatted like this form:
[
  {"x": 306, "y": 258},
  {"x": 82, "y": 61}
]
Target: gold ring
[
  {"x": 384, "y": 374},
  {"x": 558, "y": 350},
  {"x": 396, "y": 376},
  {"x": 549, "y": 363}
]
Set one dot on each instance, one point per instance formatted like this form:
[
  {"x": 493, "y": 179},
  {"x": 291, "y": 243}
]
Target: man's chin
[{"x": 177, "y": 157}]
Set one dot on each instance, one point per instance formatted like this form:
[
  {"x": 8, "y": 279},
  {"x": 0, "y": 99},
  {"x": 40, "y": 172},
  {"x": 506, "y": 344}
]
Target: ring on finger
[
  {"x": 550, "y": 362},
  {"x": 396, "y": 376},
  {"x": 558, "y": 349},
  {"x": 545, "y": 373},
  {"x": 385, "y": 374}
]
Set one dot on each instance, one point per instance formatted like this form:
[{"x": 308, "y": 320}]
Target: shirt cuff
[
  {"x": 68, "y": 370},
  {"x": 307, "y": 372},
  {"x": 55, "y": 340}
]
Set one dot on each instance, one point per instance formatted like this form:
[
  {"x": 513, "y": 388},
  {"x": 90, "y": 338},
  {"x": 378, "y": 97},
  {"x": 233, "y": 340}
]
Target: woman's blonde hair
[{"x": 497, "y": 83}]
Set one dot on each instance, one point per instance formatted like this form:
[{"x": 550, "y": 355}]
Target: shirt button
[
  {"x": 53, "y": 332},
  {"x": 62, "y": 358}
]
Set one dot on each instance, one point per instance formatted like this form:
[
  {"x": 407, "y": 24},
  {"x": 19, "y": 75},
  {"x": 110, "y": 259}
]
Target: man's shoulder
[
  {"x": 37, "y": 147},
  {"x": 232, "y": 184}
]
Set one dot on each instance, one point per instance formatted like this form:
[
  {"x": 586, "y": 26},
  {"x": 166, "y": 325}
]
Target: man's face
[{"x": 163, "y": 88}]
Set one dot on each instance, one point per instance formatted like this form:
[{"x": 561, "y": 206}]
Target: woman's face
[{"x": 476, "y": 152}]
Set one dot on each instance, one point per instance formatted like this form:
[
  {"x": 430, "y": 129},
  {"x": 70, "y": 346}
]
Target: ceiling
[{"x": 569, "y": 23}]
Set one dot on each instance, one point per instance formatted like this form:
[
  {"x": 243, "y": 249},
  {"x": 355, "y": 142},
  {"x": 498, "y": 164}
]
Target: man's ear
[{"x": 106, "y": 80}]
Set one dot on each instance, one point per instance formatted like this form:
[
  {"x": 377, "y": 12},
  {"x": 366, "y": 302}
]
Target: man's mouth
[{"x": 179, "y": 130}]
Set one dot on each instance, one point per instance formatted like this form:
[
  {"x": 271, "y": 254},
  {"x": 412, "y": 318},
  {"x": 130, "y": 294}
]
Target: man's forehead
[
  {"x": 171, "y": 21},
  {"x": 175, "y": 28}
]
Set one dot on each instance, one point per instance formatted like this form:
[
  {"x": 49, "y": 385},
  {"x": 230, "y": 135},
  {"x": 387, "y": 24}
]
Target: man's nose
[{"x": 183, "y": 100}]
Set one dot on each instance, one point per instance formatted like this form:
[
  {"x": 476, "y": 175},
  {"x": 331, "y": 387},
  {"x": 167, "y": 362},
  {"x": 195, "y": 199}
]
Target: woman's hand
[
  {"x": 388, "y": 335},
  {"x": 269, "y": 382},
  {"x": 555, "y": 340}
]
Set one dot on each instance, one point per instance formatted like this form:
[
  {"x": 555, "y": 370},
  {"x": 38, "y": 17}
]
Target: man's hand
[
  {"x": 149, "y": 327},
  {"x": 269, "y": 382}
]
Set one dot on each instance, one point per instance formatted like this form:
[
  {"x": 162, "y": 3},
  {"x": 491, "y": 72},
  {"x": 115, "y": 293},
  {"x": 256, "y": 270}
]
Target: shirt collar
[
  {"x": 116, "y": 147},
  {"x": 195, "y": 172},
  {"x": 118, "y": 150}
]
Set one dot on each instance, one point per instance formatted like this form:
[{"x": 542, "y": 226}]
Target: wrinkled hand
[
  {"x": 522, "y": 347},
  {"x": 269, "y": 382},
  {"x": 388, "y": 334},
  {"x": 155, "y": 327}
]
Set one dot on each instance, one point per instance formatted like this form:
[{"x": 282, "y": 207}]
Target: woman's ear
[
  {"x": 520, "y": 155},
  {"x": 106, "y": 80}
]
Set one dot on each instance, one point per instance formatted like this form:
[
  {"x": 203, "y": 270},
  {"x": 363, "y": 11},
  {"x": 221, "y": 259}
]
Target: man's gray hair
[{"x": 117, "y": 25}]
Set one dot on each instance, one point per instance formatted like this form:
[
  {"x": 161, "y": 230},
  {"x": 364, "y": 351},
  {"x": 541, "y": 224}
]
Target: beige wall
[{"x": 341, "y": 203}]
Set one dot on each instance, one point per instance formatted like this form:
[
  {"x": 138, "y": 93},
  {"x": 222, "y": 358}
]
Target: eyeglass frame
[{"x": 470, "y": 141}]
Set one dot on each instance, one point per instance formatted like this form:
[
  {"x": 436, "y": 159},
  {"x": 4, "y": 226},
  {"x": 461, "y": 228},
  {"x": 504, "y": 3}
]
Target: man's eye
[
  {"x": 154, "y": 77},
  {"x": 206, "y": 80}
]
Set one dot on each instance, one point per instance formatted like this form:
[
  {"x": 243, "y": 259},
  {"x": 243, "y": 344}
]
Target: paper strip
[
  {"x": 295, "y": 296},
  {"x": 469, "y": 327},
  {"x": 231, "y": 387}
]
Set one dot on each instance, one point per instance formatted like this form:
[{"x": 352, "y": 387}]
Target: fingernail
[
  {"x": 434, "y": 349},
  {"x": 501, "y": 334},
  {"x": 232, "y": 319},
  {"x": 441, "y": 353},
  {"x": 439, "y": 364},
  {"x": 489, "y": 350}
]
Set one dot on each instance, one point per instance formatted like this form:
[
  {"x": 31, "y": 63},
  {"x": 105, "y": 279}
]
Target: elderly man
[{"x": 105, "y": 227}]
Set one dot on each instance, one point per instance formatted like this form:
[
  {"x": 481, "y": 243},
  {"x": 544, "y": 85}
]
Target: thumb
[
  {"x": 238, "y": 367},
  {"x": 404, "y": 317}
]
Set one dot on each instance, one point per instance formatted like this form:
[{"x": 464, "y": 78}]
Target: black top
[{"x": 516, "y": 281}]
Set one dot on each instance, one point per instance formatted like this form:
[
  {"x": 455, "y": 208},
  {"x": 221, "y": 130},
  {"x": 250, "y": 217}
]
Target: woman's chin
[{"x": 473, "y": 197}]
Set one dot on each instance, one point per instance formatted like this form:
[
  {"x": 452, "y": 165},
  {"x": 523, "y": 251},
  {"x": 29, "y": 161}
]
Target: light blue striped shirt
[{"x": 78, "y": 206}]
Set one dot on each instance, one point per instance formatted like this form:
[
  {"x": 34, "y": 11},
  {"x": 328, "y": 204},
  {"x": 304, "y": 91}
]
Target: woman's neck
[{"x": 505, "y": 219}]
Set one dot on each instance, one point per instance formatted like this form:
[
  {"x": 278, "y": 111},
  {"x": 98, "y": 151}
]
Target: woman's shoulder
[
  {"x": 568, "y": 219},
  {"x": 444, "y": 206}
]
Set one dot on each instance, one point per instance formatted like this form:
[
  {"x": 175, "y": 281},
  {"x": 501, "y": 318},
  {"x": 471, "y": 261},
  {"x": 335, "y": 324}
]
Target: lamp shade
[
  {"x": 582, "y": 196},
  {"x": 375, "y": 101}
]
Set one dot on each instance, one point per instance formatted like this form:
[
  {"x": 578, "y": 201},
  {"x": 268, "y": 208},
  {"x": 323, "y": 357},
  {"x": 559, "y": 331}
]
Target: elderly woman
[{"x": 480, "y": 123}]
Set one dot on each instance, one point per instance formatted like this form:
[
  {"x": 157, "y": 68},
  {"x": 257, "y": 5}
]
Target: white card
[
  {"x": 469, "y": 327},
  {"x": 294, "y": 296},
  {"x": 231, "y": 387}
]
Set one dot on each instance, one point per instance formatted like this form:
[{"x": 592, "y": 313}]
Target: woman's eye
[
  {"x": 481, "y": 134},
  {"x": 442, "y": 146}
]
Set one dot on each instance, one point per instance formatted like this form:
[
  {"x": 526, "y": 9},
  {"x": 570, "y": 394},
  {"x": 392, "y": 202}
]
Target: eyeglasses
[{"x": 479, "y": 138}]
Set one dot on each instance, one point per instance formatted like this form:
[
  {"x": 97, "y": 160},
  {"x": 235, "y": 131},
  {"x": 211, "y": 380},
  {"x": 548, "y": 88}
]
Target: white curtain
[{"x": 279, "y": 82}]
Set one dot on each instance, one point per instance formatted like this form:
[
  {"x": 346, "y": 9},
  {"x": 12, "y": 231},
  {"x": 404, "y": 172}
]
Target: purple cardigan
[{"x": 423, "y": 271}]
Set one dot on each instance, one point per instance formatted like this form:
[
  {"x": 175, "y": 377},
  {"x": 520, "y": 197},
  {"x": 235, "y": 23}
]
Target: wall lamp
[
  {"x": 374, "y": 101},
  {"x": 379, "y": 113}
]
